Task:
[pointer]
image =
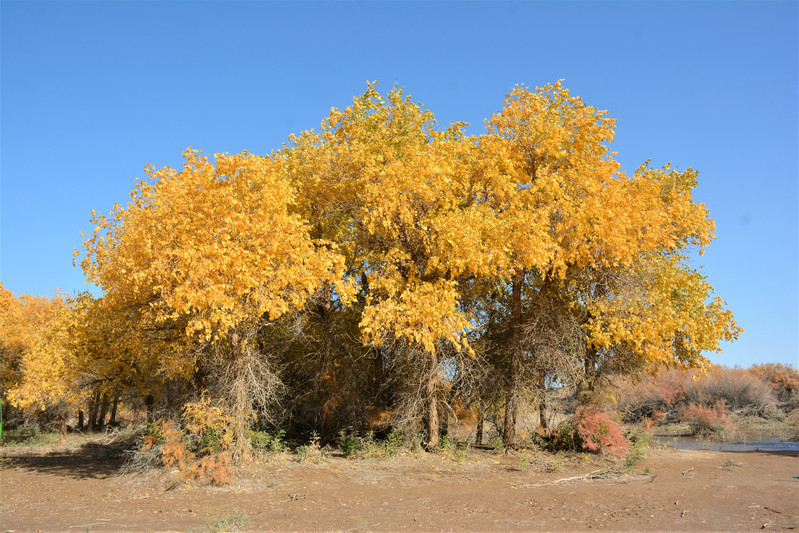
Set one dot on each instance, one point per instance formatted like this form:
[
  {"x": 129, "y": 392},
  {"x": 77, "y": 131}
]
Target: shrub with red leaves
[{"x": 599, "y": 431}]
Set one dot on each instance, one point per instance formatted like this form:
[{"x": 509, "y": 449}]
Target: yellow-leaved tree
[
  {"x": 381, "y": 180},
  {"x": 576, "y": 223},
  {"x": 215, "y": 249},
  {"x": 38, "y": 370}
]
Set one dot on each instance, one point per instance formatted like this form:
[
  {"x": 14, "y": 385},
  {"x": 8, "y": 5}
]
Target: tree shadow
[{"x": 88, "y": 461}]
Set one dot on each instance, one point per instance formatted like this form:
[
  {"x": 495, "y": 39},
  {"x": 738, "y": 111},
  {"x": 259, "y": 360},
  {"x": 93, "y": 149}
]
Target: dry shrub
[
  {"x": 379, "y": 419},
  {"x": 705, "y": 420},
  {"x": 166, "y": 438},
  {"x": 739, "y": 389},
  {"x": 174, "y": 452},
  {"x": 653, "y": 399},
  {"x": 215, "y": 468},
  {"x": 465, "y": 414},
  {"x": 197, "y": 451},
  {"x": 783, "y": 379},
  {"x": 665, "y": 396}
]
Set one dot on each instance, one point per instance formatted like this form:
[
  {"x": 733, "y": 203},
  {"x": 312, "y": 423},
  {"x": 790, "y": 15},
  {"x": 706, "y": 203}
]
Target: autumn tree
[
  {"x": 214, "y": 249},
  {"x": 38, "y": 366},
  {"x": 387, "y": 177},
  {"x": 554, "y": 150},
  {"x": 583, "y": 223}
]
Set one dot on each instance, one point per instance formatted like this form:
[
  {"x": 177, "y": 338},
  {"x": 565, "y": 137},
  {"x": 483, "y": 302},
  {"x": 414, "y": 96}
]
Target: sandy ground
[{"x": 47, "y": 489}]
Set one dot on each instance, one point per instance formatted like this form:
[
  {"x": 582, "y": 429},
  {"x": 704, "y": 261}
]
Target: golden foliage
[
  {"x": 411, "y": 230},
  {"x": 38, "y": 364}
]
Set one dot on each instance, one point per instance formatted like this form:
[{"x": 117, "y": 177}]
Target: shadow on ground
[{"x": 88, "y": 461}]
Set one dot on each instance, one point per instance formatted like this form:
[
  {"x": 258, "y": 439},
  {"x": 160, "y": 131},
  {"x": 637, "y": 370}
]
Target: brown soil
[{"x": 52, "y": 489}]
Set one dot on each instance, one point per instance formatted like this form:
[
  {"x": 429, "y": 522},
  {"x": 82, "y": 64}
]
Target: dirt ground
[{"x": 53, "y": 489}]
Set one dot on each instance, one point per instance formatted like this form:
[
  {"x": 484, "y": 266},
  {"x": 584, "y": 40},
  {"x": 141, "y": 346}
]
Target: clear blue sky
[{"x": 92, "y": 91}]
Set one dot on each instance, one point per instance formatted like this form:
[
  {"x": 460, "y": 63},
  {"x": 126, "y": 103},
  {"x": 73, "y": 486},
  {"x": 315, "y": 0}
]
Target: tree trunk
[
  {"x": 113, "y": 420},
  {"x": 543, "y": 423},
  {"x": 240, "y": 407},
  {"x": 377, "y": 377},
  {"x": 431, "y": 401},
  {"x": 481, "y": 420},
  {"x": 444, "y": 429},
  {"x": 586, "y": 392},
  {"x": 328, "y": 385},
  {"x": 149, "y": 403},
  {"x": 513, "y": 391},
  {"x": 94, "y": 404},
  {"x": 105, "y": 403},
  {"x": 80, "y": 419}
]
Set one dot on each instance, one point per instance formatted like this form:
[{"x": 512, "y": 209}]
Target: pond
[{"x": 764, "y": 445}]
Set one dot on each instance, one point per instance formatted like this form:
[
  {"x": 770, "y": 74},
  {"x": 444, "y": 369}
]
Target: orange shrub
[
  {"x": 783, "y": 379},
  {"x": 214, "y": 468},
  {"x": 705, "y": 420},
  {"x": 599, "y": 431},
  {"x": 665, "y": 396}
]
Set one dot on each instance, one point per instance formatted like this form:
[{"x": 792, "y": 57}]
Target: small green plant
[
  {"x": 347, "y": 443},
  {"x": 394, "y": 443},
  {"x": 29, "y": 436},
  {"x": 523, "y": 461},
  {"x": 640, "y": 443},
  {"x": 557, "y": 463},
  {"x": 312, "y": 450},
  {"x": 210, "y": 441},
  {"x": 369, "y": 447},
  {"x": 302, "y": 452},
  {"x": 270, "y": 442},
  {"x": 228, "y": 521},
  {"x": 495, "y": 442},
  {"x": 565, "y": 438},
  {"x": 461, "y": 453}
]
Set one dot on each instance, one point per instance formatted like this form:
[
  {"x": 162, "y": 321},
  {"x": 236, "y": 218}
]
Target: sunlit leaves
[
  {"x": 214, "y": 244},
  {"x": 38, "y": 366}
]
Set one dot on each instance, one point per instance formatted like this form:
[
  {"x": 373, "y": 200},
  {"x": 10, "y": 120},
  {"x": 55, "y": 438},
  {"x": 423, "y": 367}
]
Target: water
[{"x": 768, "y": 445}]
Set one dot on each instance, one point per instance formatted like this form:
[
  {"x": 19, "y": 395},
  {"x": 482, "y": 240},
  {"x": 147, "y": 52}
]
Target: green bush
[
  {"x": 565, "y": 437},
  {"x": 347, "y": 443},
  {"x": 640, "y": 443},
  {"x": 302, "y": 452},
  {"x": 270, "y": 442}
]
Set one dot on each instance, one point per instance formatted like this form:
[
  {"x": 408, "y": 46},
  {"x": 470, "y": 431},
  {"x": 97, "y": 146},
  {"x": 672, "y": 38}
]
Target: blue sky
[{"x": 90, "y": 92}]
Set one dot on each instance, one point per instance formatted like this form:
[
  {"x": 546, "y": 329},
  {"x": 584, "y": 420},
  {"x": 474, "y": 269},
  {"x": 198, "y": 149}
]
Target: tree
[
  {"x": 590, "y": 234},
  {"x": 390, "y": 187},
  {"x": 214, "y": 249},
  {"x": 38, "y": 369}
]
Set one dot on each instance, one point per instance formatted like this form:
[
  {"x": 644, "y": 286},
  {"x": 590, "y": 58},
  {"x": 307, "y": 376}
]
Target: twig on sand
[
  {"x": 602, "y": 473},
  {"x": 294, "y": 497}
]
